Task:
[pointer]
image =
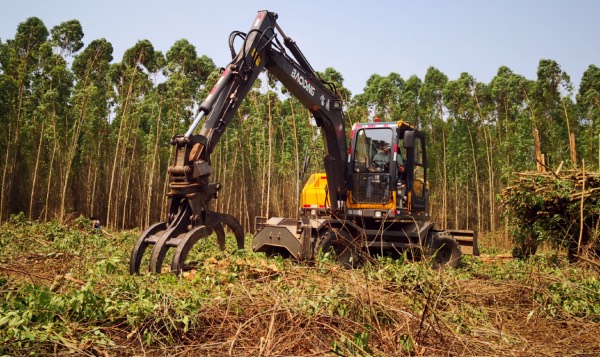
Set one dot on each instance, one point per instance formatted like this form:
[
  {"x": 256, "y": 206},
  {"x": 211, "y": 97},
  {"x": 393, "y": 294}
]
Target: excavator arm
[
  {"x": 190, "y": 190},
  {"x": 262, "y": 50}
]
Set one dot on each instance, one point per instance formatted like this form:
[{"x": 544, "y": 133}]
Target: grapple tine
[
  {"x": 216, "y": 218},
  {"x": 220, "y": 232},
  {"x": 141, "y": 244},
  {"x": 178, "y": 226},
  {"x": 185, "y": 245},
  {"x": 160, "y": 250}
]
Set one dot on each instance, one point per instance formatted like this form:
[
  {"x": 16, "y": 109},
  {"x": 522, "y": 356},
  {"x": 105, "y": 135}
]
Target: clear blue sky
[{"x": 357, "y": 38}]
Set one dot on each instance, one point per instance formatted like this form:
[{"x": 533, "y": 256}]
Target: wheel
[
  {"x": 341, "y": 245},
  {"x": 445, "y": 251}
]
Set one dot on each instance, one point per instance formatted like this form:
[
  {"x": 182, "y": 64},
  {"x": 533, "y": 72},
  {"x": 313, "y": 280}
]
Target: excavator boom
[{"x": 190, "y": 190}]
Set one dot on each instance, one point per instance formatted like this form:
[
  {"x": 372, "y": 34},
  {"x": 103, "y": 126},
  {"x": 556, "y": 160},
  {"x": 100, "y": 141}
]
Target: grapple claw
[
  {"x": 214, "y": 223},
  {"x": 220, "y": 232},
  {"x": 180, "y": 234},
  {"x": 189, "y": 196},
  {"x": 169, "y": 238},
  {"x": 142, "y": 243},
  {"x": 216, "y": 220},
  {"x": 184, "y": 246}
]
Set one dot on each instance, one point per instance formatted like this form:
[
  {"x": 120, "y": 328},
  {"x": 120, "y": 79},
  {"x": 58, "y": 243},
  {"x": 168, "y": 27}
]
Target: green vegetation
[
  {"x": 67, "y": 289},
  {"x": 560, "y": 210}
]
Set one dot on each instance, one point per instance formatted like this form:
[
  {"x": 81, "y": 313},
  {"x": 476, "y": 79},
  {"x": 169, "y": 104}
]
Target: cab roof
[{"x": 391, "y": 124}]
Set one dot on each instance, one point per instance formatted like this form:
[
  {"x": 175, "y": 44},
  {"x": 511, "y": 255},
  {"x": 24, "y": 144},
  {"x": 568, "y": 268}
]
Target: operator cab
[{"x": 387, "y": 165}]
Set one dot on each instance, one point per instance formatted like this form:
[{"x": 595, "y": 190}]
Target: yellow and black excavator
[{"x": 371, "y": 199}]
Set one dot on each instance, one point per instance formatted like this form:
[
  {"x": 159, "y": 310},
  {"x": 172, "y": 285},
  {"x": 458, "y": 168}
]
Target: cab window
[
  {"x": 419, "y": 183},
  {"x": 372, "y": 151}
]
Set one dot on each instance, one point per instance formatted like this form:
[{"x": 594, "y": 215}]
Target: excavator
[{"x": 373, "y": 197}]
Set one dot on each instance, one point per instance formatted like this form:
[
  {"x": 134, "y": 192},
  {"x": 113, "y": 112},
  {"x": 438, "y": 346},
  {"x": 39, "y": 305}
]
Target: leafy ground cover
[{"x": 66, "y": 289}]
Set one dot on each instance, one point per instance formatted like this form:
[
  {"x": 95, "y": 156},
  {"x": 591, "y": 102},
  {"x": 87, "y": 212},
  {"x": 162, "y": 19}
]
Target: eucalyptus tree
[
  {"x": 67, "y": 37},
  {"x": 382, "y": 95},
  {"x": 54, "y": 89},
  {"x": 462, "y": 109},
  {"x": 5, "y": 90},
  {"x": 53, "y": 120},
  {"x": 186, "y": 76},
  {"x": 487, "y": 124},
  {"x": 131, "y": 82},
  {"x": 20, "y": 64},
  {"x": 521, "y": 89},
  {"x": 513, "y": 122},
  {"x": 552, "y": 105},
  {"x": 89, "y": 131},
  {"x": 432, "y": 111},
  {"x": 51, "y": 127},
  {"x": 410, "y": 101},
  {"x": 588, "y": 103}
]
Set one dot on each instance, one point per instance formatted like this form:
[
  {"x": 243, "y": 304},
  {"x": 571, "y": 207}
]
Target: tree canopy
[{"x": 85, "y": 133}]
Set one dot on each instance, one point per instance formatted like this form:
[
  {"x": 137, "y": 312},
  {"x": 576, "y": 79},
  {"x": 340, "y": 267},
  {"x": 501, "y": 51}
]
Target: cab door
[
  {"x": 419, "y": 187},
  {"x": 416, "y": 170}
]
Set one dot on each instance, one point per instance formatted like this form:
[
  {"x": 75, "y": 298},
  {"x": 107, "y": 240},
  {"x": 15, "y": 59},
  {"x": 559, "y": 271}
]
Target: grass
[{"x": 66, "y": 289}]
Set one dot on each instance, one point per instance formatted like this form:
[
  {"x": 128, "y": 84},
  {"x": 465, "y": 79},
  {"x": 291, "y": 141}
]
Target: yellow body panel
[
  {"x": 388, "y": 206},
  {"x": 314, "y": 192}
]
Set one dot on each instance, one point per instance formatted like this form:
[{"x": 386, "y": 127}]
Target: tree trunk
[
  {"x": 445, "y": 190},
  {"x": 118, "y": 151},
  {"x": 35, "y": 172},
  {"x": 475, "y": 169},
  {"x": 152, "y": 173},
  {"x": 297, "y": 157},
  {"x": 70, "y": 157},
  {"x": 50, "y": 171},
  {"x": 572, "y": 150},
  {"x": 538, "y": 152}
]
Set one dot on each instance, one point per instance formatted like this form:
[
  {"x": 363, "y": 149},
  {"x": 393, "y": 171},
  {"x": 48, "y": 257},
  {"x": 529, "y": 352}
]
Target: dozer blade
[{"x": 467, "y": 241}]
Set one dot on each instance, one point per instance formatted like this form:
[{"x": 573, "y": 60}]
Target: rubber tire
[
  {"x": 340, "y": 242},
  {"x": 445, "y": 251}
]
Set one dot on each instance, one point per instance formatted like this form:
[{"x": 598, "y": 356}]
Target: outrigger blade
[{"x": 467, "y": 241}]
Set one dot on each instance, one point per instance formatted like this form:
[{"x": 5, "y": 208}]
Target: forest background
[{"x": 84, "y": 133}]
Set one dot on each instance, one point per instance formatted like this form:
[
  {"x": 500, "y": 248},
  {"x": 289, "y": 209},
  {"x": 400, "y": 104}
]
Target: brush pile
[{"x": 561, "y": 209}]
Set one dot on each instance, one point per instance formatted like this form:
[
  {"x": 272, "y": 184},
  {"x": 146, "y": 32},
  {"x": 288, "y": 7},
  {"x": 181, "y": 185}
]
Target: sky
[{"x": 357, "y": 38}]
